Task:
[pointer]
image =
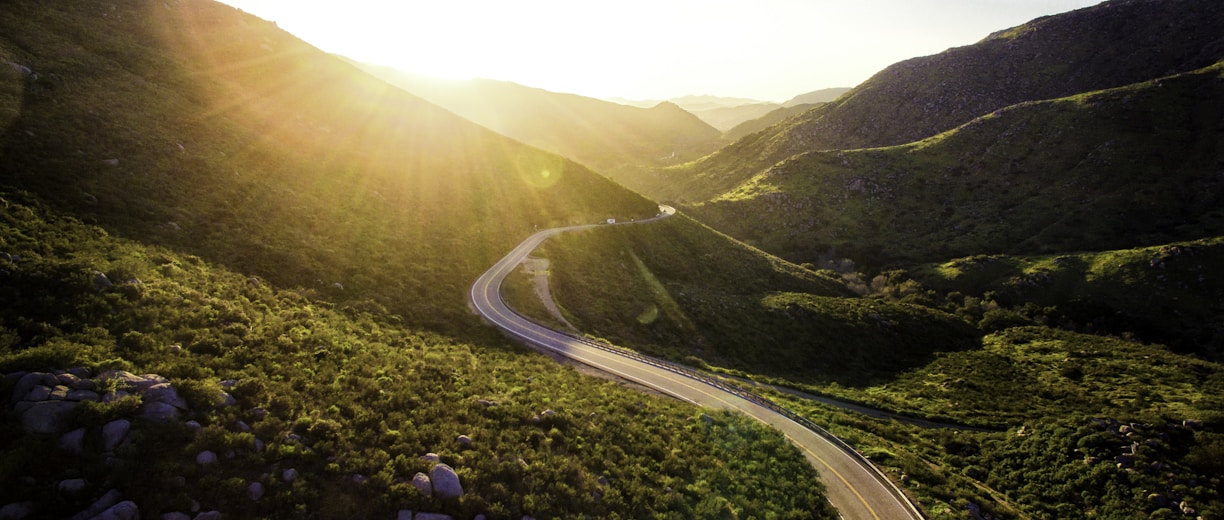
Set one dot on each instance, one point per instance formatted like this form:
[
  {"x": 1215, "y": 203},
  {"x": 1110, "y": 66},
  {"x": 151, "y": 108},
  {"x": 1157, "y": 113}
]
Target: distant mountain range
[
  {"x": 606, "y": 136},
  {"x": 725, "y": 113},
  {"x": 1110, "y": 45}
]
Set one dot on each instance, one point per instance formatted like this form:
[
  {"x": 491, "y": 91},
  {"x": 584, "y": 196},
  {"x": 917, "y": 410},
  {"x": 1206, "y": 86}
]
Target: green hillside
[
  {"x": 190, "y": 192},
  {"x": 1000, "y": 356},
  {"x": 347, "y": 397},
  {"x": 1164, "y": 294},
  {"x": 218, "y": 134},
  {"x": 678, "y": 290},
  {"x": 617, "y": 140},
  {"x": 1110, "y": 45},
  {"x": 1120, "y": 168}
]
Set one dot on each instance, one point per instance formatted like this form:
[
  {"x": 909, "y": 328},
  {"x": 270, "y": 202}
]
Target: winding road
[{"x": 853, "y": 485}]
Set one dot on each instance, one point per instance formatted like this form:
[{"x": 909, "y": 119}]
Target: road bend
[{"x": 853, "y": 485}]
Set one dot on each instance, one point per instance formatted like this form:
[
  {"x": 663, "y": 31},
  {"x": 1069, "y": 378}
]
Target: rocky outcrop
[
  {"x": 432, "y": 516},
  {"x": 445, "y": 482},
  {"x": 46, "y": 400},
  {"x": 422, "y": 483},
  {"x": 114, "y": 432}
]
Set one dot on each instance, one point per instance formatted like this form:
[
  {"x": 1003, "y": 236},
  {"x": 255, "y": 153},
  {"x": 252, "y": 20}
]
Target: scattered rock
[
  {"x": 100, "y": 505},
  {"x": 242, "y": 426},
  {"x": 208, "y": 515},
  {"x": 431, "y": 457},
  {"x": 101, "y": 282},
  {"x": 82, "y": 395},
  {"x": 73, "y": 442},
  {"x": 464, "y": 441},
  {"x": 164, "y": 393},
  {"x": 445, "y": 482},
  {"x": 547, "y": 413},
  {"x": 206, "y": 457},
  {"x": 72, "y": 486},
  {"x": 17, "y": 511},
  {"x": 59, "y": 393},
  {"x": 114, "y": 432},
  {"x": 421, "y": 482},
  {"x": 38, "y": 393},
  {"x": 124, "y": 379},
  {"x": 28, "y": 382},
  {"x": 125, "y": 510},
  {"x": 47, "y": 416},
  {"x": 111, "y": 162},
  {"x": 255, "y": 491},
  {"x": 289, "y": 475},
  {"x": 432, "y": 516},
  {"x": 159, "y": 412},
  {"x": 176, "y": 516},
  {"x": 403, "y": 514}
]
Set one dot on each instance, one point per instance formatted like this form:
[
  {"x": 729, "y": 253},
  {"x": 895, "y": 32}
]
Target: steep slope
[
  {"x": 190, "y": 192},
  {"x": 1161, "y": 294},
  {"x": 678, "y": 290},
  {"x": 823, "y": 95},
  {"x": 1052, "y": 400},
  {"x": 1132, "y": 166},
  {"x": 611, "y": 138},
  {"x": 1110, "y": 45},
  {"x": 771, "y": 118},
  {"x": 196, "y": 126},
  {"x": 347, "y": 399}
]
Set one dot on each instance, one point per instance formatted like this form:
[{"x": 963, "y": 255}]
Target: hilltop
[
  {"x": 1109, "y": 45},
  {"x": 281, "y": 246},
  {"x": 1125, "y": 167},
  {"x": 216, "y": 133},
  {"x": 613, "y": 139}
]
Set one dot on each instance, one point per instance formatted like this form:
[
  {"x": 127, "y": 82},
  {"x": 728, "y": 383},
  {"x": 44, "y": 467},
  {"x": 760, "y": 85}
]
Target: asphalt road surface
[{"x": 854, "y": 486}]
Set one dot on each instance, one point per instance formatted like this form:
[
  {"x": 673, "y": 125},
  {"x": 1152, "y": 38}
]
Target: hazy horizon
[{"x": 769, "y": 50}]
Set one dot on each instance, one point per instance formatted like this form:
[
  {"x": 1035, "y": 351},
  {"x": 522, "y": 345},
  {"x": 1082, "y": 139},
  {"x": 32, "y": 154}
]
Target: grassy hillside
[
  {"x": 1132, "y": 166},
  {"x": 1165, "y": 294},
  {"x": 1109, "y": 45},
  {"x": 679, "y": 290},
  {"x": 614, "y": 139},
  {"x": 215, "y": 133},
  {"x": 1055, "y": 399},
  {"x": 348, "y": 398},
  {"x": 191, "y": 192}
]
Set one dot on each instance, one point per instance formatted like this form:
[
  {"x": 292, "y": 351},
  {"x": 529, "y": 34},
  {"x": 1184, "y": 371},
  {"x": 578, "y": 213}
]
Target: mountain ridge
[
  {"x": 1109, "y": 45},
  {"x": 603, "y": 135}
]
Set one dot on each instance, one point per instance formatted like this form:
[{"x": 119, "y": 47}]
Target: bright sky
[{"x": 650, "y": 49}]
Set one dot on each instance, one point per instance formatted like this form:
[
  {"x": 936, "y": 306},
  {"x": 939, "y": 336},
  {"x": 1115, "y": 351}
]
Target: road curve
[{"x": 856, "y": 488}]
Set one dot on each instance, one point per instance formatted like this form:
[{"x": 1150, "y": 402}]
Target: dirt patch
[{"x": 537, "y": 268}]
